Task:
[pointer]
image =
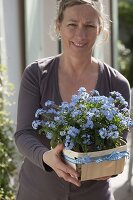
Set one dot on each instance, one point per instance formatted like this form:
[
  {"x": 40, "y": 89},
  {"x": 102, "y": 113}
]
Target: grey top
[{"x": 39, "y": 84}]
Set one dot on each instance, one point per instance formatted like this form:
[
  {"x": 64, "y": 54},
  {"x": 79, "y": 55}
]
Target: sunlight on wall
[{"x": 38, "y": 15}]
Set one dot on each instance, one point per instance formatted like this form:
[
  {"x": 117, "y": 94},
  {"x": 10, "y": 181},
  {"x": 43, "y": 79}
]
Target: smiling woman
[
  {"x": 79, "y": 30},
  {"x": 79, "y": 22}
]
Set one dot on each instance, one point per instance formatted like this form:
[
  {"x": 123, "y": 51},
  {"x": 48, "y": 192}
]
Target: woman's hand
[{"x": 53, "y": 159}]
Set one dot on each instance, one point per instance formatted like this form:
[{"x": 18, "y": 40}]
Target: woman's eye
[
  {"x": 90, "y": 26},
  {"x": 72, "y": 25}
]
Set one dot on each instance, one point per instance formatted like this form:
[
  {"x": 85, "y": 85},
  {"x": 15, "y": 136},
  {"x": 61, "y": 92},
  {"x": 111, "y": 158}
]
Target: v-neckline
[{"x": 57, "y": 78}]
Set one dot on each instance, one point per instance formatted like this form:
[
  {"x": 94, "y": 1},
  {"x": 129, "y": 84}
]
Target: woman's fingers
[
  {"x": 53, "y": 159},
  {"x": 67, "y": 177},
  {"x": 58, "y": 149},
  {"x": 52, "y": 156},
  {"x": 67, "y": 169}
]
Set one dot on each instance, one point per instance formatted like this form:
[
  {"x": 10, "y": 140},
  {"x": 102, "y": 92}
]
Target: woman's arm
[{"x": 29, "y": 101}]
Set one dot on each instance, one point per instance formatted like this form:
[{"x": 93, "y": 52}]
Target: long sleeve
[{"x": 26, "y": 137}]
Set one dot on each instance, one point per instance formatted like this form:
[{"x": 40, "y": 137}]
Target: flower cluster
[{"x": 90, "y": 122}]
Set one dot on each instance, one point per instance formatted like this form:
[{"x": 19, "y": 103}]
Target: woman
[{"x": 43, "y": 174}]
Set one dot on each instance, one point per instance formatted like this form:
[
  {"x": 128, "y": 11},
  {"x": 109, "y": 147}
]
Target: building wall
[
  {"x": 11, "y": 52},
  {"x": 103, "y": 48},
  {"x": 39, "y": 15}
]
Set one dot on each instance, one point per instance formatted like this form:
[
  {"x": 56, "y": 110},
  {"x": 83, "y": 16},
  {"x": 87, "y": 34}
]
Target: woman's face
[{"x": 79, "y": 30}]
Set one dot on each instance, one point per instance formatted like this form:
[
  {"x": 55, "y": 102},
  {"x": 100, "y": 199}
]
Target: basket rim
[{"x": 74, "y": 154}]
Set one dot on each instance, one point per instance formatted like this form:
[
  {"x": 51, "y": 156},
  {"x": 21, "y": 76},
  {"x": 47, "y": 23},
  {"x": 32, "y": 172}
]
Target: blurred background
[{"x": 25, "y": 29}]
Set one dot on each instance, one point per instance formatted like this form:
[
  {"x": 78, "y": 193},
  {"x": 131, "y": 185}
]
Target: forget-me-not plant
[{"x": 90, "y": 122}]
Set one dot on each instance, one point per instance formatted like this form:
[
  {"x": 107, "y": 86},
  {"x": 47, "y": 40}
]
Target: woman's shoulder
[
  {"x": 113, "y": 74},
  {"x": 116, "y": 80},
  {"x": 39, "y": 71},
  {"x": 42, "y": 64},
  {"x": 41, "y": 67}
]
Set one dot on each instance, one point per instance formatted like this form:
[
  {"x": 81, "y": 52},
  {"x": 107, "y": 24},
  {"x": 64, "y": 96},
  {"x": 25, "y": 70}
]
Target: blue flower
[
  {"x": 120, "y": 116},
  {"x": 89, "y": 124},
  {"x": 59, "y": 120},
  {"x": 103, "y": 133},
  {"x": 39, "y": 112},
  {"x": 49, "y": 135},
  {"x": 94, "y": 93},
  {"x": 49, "y": 103},
  {"x": 119, "y": 97},
  {"x": 72, "y": 131},
  {"x": 112, "y": 134},
  {"x": 124, "y": 122},
  {"x": 76, "y": 113},
  {"x": 93, "y": 112},
  {"x": 50, "y": 124},
  {"x": 108, "y": 114},
  {"x": 68, "y": 143},
  {"x": 62, "y": 133},
  {"x": 82, "y": 94},
  {"x": 81, "y": 90},
  {"x": 112, "y": 127},
  {"x": 82, "y": 107},
  {"x": 36, "y": 124},
  {"x": 51, "y": 111},
  {"x": 125, "y": 111},
  {"x": 115, "y": 135},
  {"x": 64, "y": 106},
  {"x": 75, "y": 99},
  {"x": 130, "y": 123}
]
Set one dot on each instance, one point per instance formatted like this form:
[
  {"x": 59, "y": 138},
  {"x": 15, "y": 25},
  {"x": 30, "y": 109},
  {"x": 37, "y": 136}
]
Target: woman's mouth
[{"x": 79, "y": 45}]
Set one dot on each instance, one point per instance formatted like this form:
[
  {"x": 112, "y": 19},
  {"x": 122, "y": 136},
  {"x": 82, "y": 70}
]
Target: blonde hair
[{"x": 95, "y": 4}]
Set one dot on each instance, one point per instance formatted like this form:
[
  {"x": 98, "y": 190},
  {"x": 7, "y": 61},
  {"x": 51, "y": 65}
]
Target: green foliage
[
  {"x": 126, "y": 37},
  {"x": 126, "y": 12},
  {"x": 7, "y": 165},
  {"x": 125, "y": 61}
]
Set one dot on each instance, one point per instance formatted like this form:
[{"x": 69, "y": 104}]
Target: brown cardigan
[{"x": 40, "y": 83}]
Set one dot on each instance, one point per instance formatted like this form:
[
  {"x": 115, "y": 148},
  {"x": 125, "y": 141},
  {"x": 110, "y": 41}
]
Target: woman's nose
[{"x": 81, "y": 33}]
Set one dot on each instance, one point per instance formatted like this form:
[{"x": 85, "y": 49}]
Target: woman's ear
[
  {"x": 58, "y": 29},
  {"x": 57, "y": 26},
  {"x": 100, "y": 29}
]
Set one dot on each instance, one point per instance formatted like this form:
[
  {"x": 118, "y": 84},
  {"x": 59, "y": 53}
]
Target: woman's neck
[{"x": 76, "y": 66}]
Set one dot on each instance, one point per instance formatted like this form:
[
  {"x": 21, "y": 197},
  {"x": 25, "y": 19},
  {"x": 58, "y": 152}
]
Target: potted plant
[{"x": 91, "y": 128}]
